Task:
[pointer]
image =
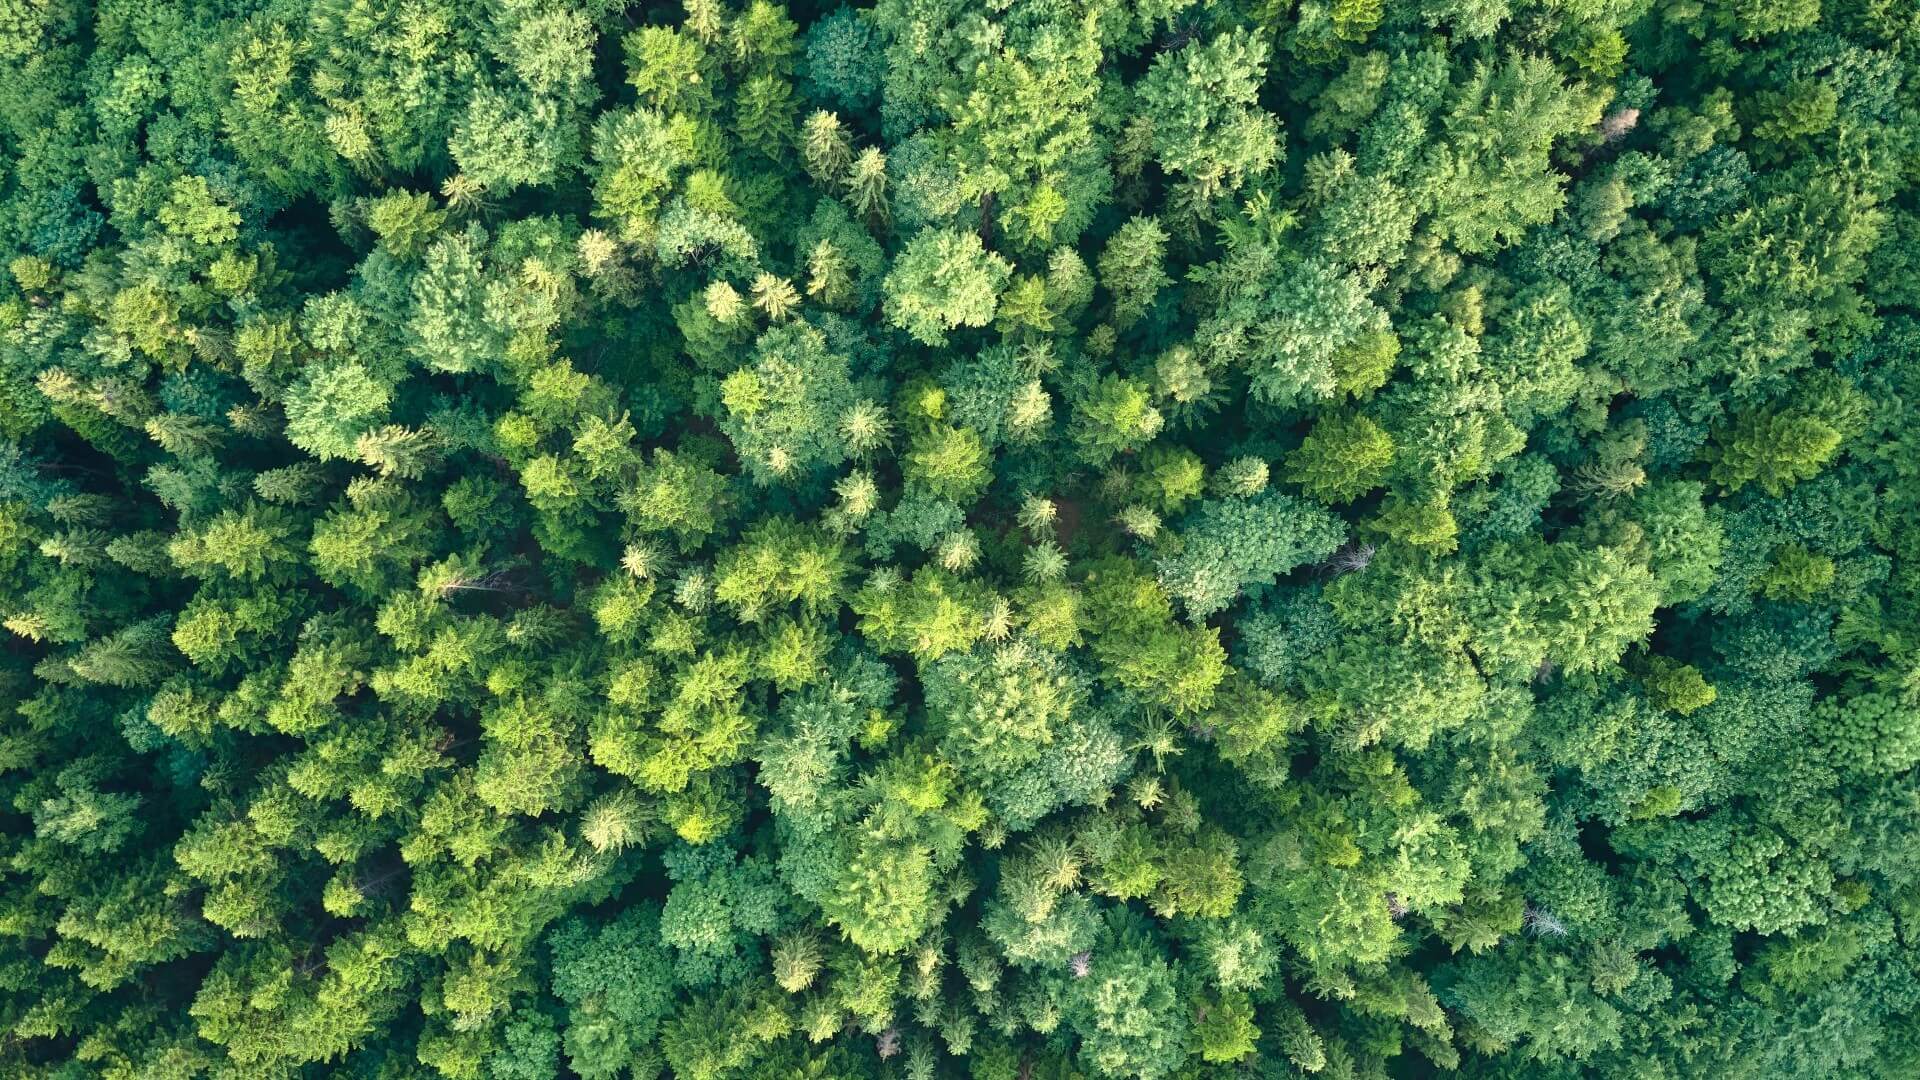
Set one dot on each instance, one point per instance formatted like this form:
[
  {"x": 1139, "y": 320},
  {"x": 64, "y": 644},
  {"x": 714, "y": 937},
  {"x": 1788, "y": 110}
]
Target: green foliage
[
  {"x": 1018, "y": 722},
  {"x": 1228, "y": 545},
  {"x": 946, "y": 541},
  {"x": 1201, "y": 104},
  {"x": 1125, "y": 1009},
  {"x": 1342, "y": 459},
  {"x": 943, "y": 280},
  {"x": 785, "y": 411},
  {"x": 612, "y": 981},
  {"x": 1777, "y": 448},
  {"x": 333, "y": 406}
]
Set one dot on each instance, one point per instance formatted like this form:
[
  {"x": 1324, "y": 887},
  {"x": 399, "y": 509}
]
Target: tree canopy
[{"x": 927, "y": 540}]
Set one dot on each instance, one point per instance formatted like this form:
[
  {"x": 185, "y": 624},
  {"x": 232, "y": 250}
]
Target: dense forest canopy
[{"x": 960, "y": 539}]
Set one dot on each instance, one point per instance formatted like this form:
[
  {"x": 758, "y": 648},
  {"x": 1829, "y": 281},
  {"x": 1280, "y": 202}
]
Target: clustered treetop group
[{"x": 960, "y": 539}]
